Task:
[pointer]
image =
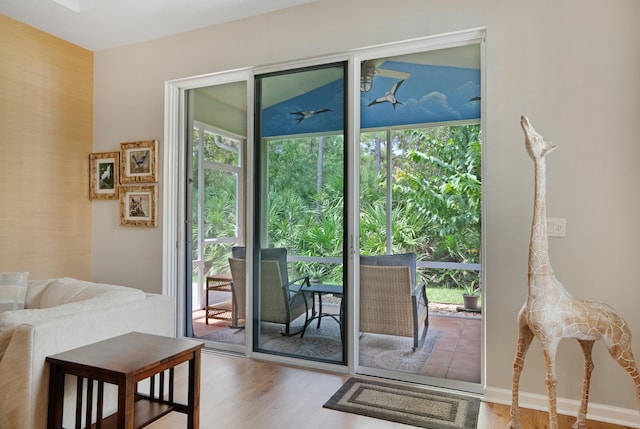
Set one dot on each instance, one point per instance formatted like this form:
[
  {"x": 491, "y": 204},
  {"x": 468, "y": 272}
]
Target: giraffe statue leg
[
  {"x": 525, "y": 337},
  {"x": 549, "y": 347},
  {"x": 587, "y": 347},
  {"x": 621, "y": 353}
]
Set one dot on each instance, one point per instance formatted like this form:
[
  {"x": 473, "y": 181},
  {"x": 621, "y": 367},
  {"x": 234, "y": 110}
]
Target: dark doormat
[{"x": 406, "y": 404}]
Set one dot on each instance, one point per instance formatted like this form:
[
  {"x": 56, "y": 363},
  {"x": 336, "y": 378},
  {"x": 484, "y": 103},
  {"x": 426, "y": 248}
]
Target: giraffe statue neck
[{"x": 539, "y": 246}]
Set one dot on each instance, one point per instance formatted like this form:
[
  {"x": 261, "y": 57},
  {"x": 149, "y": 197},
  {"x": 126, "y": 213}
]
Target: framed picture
[
  {"x": 138, "y": 206},
  {"x": 138, "y": 162},
  {"x": 105, "y": 171}
]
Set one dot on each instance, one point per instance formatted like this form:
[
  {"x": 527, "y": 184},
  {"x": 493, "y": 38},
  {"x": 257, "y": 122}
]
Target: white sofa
[{"x": 59, "y": 315}]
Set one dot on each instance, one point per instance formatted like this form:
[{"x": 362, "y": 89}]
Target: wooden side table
[
  {"x": 124, "y": 361},
  {"x": 221, "y": 283}
]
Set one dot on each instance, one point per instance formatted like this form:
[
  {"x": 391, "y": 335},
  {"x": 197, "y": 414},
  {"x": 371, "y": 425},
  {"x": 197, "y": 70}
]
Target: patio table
[{"x": 319, "y": 289}]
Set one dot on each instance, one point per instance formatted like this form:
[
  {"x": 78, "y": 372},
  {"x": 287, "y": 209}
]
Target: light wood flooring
[{"x": 238, "y": 392}]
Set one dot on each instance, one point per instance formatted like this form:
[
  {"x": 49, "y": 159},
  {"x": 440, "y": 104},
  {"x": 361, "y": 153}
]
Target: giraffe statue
[{"x": 551, "y": 313}]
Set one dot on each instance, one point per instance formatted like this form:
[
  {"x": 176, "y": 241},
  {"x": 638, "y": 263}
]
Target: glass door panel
[
  {"x": 420, "y": 205},
  {"x": 217, "y": 121},
  {"x": 300, "y": 212},
  {"x": 418, "y": 192}
]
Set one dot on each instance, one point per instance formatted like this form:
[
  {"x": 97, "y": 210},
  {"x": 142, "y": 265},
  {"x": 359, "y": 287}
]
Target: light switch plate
[{"x": 556, "y": 227}]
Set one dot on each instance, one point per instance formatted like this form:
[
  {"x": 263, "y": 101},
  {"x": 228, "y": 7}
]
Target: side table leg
[
  {"x": 193, "y": 405},
  {"x": 56, "y": 396},
  {"x": 126, "y": 403}
]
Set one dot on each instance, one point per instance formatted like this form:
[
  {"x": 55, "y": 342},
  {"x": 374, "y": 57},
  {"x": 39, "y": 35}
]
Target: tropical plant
[
  {"x": 470, "y": 289},
  {"x": 435, "y": 198}
]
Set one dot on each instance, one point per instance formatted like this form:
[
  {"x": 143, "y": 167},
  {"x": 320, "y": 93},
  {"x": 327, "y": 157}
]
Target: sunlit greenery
[
  {"x": 219, "y": 202},
  {"x": 444, "y": 295},
  {"x": 435, "y": 199}
]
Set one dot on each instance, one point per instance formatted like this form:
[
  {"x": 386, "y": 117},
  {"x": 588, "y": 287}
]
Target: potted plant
[{"x": 470, "y": 296}]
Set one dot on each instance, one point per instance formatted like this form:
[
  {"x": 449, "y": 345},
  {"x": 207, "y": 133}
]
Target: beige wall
[
  {"x": 46, "y": 118},
  {"x": 571, "y": 66}
]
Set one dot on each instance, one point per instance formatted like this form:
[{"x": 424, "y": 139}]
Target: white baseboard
[{"x": 599, "y": 412}]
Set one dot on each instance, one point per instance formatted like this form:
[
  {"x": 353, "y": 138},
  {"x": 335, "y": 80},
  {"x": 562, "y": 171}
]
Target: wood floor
[{"x": 238, "y": 392}]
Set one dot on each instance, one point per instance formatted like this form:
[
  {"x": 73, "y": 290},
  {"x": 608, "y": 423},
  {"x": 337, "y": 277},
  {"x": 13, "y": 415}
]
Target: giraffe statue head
[{"x": 536, "y": 146}]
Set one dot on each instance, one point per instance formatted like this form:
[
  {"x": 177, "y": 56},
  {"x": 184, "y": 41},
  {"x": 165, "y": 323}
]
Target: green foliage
[
  {"x": 219, "y": 200},
  {"x": 470, "y": 289},
  {"x": 442, "y": 184},
  {"x": 435, "y": 198},
  {"x": 444, "y": 295}
]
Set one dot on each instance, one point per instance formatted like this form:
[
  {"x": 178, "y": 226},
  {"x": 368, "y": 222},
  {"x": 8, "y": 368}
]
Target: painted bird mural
[
  {"x": 306, "y": 114},
  {"x": 389, "y": 96}
]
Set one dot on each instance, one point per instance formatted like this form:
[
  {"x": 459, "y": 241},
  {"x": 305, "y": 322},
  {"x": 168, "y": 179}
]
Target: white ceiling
[{"x": 103, "y": 24}]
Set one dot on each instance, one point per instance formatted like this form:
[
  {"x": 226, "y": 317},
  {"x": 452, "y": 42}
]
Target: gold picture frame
[
  {"x": 104, "y": 179},
  {"x": 138, "y": 206},
  {"x": 138, "y": 162}
]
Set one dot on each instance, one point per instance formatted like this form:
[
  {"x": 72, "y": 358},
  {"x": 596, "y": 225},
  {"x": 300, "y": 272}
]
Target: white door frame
[{"x": 174, "y": 235}]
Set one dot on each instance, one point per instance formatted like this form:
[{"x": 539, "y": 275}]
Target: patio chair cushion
[
  {"x": 239, "y": 252},
  {"x": 402, "y": 259},
  {"x": 268, "y": 254}
]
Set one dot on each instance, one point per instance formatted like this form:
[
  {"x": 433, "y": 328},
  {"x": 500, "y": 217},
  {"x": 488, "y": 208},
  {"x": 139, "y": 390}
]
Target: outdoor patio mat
[
  {"x": 405, "y": 404},
  {"x": 376, "y": 351}
]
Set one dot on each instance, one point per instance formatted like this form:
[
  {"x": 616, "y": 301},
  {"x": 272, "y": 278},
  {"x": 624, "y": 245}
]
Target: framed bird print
[
  {"x": 104, "y": 178},
  {"x": 138, "y": 206},
  {"x": 138, "y": 162}
]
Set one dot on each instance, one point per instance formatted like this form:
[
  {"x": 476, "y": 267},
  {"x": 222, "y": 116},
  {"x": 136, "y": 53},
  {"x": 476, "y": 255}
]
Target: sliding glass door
[
  {"x": 333, "y": 212},
  {"x": 216, "y": 147},
  {"x": 420, "y": 216},
  {"x": 299, "y": 282}
]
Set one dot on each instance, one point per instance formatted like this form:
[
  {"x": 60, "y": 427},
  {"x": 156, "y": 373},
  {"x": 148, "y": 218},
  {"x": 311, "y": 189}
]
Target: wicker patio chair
[
  {"x": 238, "y": 291},
  {"x": 281, "y": 299},
  {"x": 390, "y": 301}
]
